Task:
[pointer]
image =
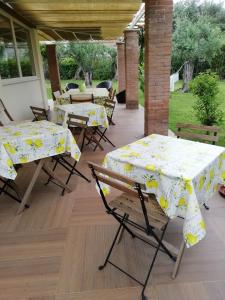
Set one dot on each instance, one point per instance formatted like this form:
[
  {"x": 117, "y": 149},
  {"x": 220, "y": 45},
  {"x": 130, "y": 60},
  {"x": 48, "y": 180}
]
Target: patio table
[
  {"x": 34, "y": 141},
  {"x": 96, "y": 113},
  {"x": 182, "y": 174},
  {"x": 100, "y": 95}
]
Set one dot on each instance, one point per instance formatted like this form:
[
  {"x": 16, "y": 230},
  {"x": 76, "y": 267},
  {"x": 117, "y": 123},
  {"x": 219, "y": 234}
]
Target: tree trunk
[
  {"x": 187, "y": 75},
  {"x": 77, "y": 74},
  {"x": 88, "y": 79}
]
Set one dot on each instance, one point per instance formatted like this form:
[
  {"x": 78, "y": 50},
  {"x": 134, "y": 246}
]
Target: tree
[
  {"x": 89, "y": 56},
  {"x": 197, "y": 36},
  {"x": 195, "y": 42}
]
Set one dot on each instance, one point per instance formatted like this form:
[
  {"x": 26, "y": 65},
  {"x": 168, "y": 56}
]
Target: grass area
[
  {"x": 180, "y": 107},
  {"x": 64, "y": 82}
]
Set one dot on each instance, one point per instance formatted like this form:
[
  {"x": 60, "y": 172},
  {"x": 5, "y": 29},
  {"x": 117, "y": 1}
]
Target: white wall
[{"x": 18, "y": 94}]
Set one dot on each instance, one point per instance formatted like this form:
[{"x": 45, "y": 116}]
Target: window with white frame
[{"x": 16, "y": 58}]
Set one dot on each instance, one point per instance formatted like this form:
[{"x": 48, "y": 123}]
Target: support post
[
  {"x": 121, "y": 66},
  {"x": 131, "y": 68},
  {"x": 53, "y": 68},
  {"x": 158, "y": 42}
]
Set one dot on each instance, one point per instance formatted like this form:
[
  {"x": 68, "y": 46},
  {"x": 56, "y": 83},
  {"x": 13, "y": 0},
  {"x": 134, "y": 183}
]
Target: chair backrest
[
  {"x": 71, "y": 85},
  {"x": 75, "y": 122},
  {"x": 81, "y": 98},
  {"x": 56, "y": 94},
  {"x": 117, "y": 181},
  {"x": 112, "y": 94},
  {"x": 198, "y": 132},
  {"x": 39, "y": 113},
  {"x": 121, "y": 183},
  {"x": 105, "y": 84},
  {"x": 5, "y": 111},
  {"x": 109, "y": 107}
]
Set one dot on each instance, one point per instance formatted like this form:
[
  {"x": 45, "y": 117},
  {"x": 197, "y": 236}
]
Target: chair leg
[
  {"x": 73, "y": 169},
  {"x": 55, "y": 165},
  {"x": 178, "y": 261},
  {"x": 102, "y": 136},
  {"x": 152, "y": 264},
  {"x": 206, "y": 206},
  {"x": 122, "y": 231},
  {"x": 113, "y": 244}
]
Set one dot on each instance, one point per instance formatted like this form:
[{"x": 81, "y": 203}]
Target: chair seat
[{"x": 132, "y": 206}]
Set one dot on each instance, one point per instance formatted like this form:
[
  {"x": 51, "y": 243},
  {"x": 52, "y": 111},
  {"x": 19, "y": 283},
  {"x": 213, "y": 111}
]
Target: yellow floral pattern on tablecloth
[
  {"x": 96, "y": 113},
  {"x": 182, "y": 174},
  {"x": 26, "y": 142}
]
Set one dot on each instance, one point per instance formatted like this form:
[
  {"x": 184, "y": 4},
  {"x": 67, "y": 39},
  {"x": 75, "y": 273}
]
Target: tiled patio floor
[{"x": 52, "y": 251}]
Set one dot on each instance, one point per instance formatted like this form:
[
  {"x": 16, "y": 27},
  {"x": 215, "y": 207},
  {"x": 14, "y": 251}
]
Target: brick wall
[
  {"x": 158, "y": 40},
  {"x": 131, "y": 68}
]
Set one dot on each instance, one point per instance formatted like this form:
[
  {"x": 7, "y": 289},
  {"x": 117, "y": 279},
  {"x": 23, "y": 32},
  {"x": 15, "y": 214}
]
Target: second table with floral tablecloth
[
  {"x": 182, "y": 174},
  {"x": 96, "y": 113},
  {"x": 100, "y": 95}
]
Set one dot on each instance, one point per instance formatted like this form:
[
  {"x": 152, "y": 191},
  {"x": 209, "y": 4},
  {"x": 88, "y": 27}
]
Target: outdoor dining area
[
  {"x": 152, "y": 192},
  {"x": 98, "y": 198}
]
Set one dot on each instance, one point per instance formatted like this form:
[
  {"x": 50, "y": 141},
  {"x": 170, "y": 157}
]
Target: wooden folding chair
[
  {"x": 109, "y": 106},
  {"x": 3, "y": 109},
  {"x": 201, "y": 133},
  {"x": 81, "y": 98},
  {"x": 112, "y": 94},
  {"x": 78, "y": 126},
  {"x": 138, "y": 214},
  {"x": 39, "y": 113},
  {"x": 57, "y": 94}
]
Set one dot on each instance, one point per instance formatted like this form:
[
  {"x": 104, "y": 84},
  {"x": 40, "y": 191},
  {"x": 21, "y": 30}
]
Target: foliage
[
  {"x": 90, "y": 57},
  {"x": 198, "y": 33},
  {"x": 84, "y": 57},
  {"x": 142, "y": 77},
  {"x": 218, "y": 62},
  {"x": 141, "y": 45},
  {"x": 67, "y": 68},
  {"x": 195, "y": 42},
  {"x": 9, "y": 68},
  {"x": 205, "y": 87}
]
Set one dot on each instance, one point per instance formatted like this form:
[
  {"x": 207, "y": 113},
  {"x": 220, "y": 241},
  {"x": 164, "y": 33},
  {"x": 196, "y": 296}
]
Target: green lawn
[{"x": 180, "y": 108}]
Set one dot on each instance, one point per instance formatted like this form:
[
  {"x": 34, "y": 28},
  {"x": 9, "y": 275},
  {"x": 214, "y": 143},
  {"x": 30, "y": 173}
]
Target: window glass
[
  {"x": 24, "y": 50},
  {"x": 8, "y": 62}
]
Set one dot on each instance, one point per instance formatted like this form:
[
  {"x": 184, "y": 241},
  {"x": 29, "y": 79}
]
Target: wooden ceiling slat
[{"x": 111, "y": 17}]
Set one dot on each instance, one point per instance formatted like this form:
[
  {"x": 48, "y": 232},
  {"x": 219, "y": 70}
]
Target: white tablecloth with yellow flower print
[
  {"x": 98, "y": 93},
  {"x": 26, "y": 142},
  {"x": 96, "y": 113},
  {"x": 181, "y": 173}
]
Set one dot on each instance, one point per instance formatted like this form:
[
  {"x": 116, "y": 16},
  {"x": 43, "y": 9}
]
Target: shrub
[
  {"x": 67, "y": 68},
  {"x": 205, "y": 87}
]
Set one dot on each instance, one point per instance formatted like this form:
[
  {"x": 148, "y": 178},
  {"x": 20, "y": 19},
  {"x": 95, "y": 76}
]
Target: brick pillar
[
  {"x": 158, "y": 40},
  {"x": 131, "y": 68},
  {"x": 53, "y": 68},
  {"x": 121, "y": 66}
]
